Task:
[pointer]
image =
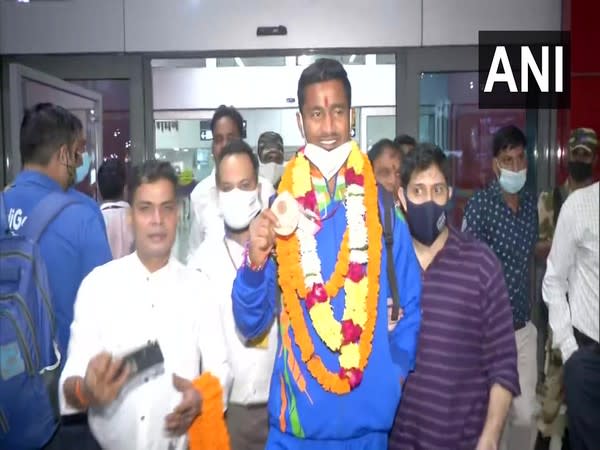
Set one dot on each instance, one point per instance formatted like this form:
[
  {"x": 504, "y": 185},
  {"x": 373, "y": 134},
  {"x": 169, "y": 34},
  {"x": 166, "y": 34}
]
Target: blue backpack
[{"x": 30, "y": 362}]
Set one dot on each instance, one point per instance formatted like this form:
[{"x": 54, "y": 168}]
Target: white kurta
[
  {"x": 121, "y": 306},
  {"x": 118, "y": 228},
  {"x": 251, "y": 363}
]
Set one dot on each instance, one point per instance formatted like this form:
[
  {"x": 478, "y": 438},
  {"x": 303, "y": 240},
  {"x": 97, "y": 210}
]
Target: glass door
[
  {"x": 376, "y": 123},
  {"x": 450, "y": 117},
  {"x": 27, "y": 87}
]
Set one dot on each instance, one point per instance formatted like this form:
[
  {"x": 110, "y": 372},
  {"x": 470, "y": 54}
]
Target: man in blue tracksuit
[
  {"x": 75, "y": 242},
  {"x": 319, "y": 399}
]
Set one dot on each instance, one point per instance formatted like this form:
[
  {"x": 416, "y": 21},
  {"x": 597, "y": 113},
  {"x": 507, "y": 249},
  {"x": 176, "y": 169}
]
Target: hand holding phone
[
  {"x": 104, "y": 378},
  {"x": 144, "y": 359}
]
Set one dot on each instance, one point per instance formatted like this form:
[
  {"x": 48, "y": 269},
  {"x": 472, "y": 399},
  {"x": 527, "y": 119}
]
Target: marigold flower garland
[
  {"x": 208, "y": 430},
  {"x": 357, "y": 270}
]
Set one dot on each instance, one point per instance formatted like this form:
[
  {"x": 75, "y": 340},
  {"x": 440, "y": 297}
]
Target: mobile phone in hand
[{"x": 148, "y": 358}]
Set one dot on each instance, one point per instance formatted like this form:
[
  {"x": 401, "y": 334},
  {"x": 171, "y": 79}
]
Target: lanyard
[{"x": 229, "y": 254}]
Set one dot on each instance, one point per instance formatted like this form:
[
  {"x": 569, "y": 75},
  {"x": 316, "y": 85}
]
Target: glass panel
[
  {"x": 35, "y": 92},
  {"x": 352, "y": 59},
  {"x": 265, "y": 61},
  {"x": 379, "y": 127},
  {"x": 84, "y": 108},
  {"x": 187, "y": 142},
  {"x": 181, "y": 89},
  {"x": 385, "y": 59},
  {"x": 449, "y": 116},
  {"x": 178, "y": 62},
  {"x": 116, "y": 137},
  {"x": 185, "y": 97},
  {"x": 182, "y": 143}
]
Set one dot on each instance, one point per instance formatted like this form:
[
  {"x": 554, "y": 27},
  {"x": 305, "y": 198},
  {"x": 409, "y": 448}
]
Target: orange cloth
[{"x": 208, "y": 431}]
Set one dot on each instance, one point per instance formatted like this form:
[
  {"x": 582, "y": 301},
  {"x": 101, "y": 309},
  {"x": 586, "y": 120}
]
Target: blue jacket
[
  {"x": 72, "y": 245},
  {"x": 361, "y": 419}
]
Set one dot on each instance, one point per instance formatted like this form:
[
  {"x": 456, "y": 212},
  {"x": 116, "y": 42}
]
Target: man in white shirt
[
  {"x": 226, "y": 125},
  {"x": 112, "y": 177},
  {"x": 252, "y": 362},
  {"x": 572, "y": 268},
  {"x": 130, "y": 302}
]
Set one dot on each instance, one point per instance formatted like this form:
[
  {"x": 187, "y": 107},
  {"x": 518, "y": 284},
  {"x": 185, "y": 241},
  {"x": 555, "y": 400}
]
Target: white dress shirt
[
  {"x": 252, "y": 365},
  {"x": 118, "y": 228},
  {"x": 572, "y": 268},
  {"x": 120, "y": 307},
  {"x": 207, "y": 219}
]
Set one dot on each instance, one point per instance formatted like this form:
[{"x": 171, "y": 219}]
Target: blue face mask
[
  {"x": 84, "y": 169},
  {"x": 512, "y": 182}
]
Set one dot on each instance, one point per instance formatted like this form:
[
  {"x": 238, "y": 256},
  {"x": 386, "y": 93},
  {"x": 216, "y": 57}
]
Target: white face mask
[
  {"x": 271, "y": 171},
  {"x": 239, "y": 207},
  {"x": 329, "y": 162}
]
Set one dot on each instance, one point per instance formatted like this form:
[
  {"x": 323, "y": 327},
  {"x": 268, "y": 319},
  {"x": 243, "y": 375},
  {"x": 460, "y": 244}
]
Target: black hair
[
  {"x": 422, "y": 158},
  {"x": 45, "y": 128},
  {"x": 237, "y": 147},
  {"x": 323, "y": 69},
  {"x": 378, "y": 148},
  {"x": 405, "y": 139},
  {"x": 112, "y": 176},
  {"x": 507, "y": 138},
  {"x": 151, "y": 171},
  {"x": 230, "y": 112}
]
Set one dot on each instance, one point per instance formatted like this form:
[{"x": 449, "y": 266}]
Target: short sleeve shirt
[{"x": 512, "y": 236}]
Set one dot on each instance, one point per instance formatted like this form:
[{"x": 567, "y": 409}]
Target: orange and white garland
[{"x": 357, "y": 270}]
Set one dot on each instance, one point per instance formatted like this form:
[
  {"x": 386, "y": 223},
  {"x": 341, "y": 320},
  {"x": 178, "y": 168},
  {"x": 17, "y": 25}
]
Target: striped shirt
[
  {"x": 573, "y": 269},
  {"x": 466, "y": 345}
]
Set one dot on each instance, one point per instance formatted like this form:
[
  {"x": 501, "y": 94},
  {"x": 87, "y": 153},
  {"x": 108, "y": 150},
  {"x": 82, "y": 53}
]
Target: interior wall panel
[
  {"x": 458, "y": 22},
  {"x": 195, "y": 25},
  {"x": 61, "y": 26}
]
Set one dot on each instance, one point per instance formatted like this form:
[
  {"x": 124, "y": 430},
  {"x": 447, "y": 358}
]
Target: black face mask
[
  {"x": 580, "y": 171},
  {"x": 426, "y": 221}
]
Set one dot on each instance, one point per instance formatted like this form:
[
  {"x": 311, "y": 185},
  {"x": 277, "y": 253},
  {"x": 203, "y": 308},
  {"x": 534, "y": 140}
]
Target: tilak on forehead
[{"x": 326, "y": 102}]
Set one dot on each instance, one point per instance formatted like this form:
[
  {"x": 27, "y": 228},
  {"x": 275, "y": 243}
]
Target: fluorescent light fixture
[
  {"x": 239, "y": 62},
  {"x": 352, "y": 58}
]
